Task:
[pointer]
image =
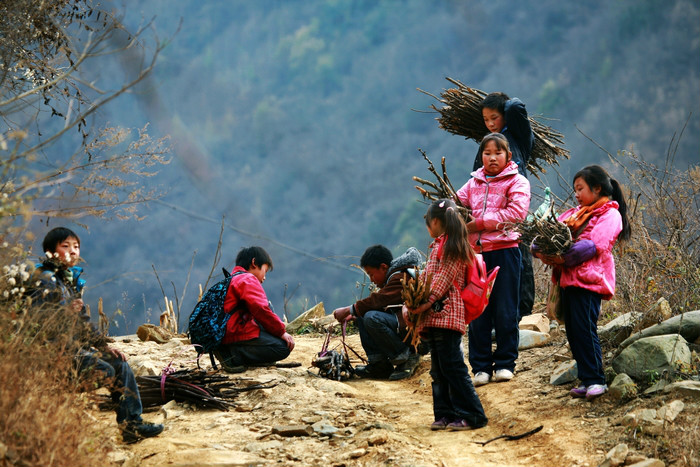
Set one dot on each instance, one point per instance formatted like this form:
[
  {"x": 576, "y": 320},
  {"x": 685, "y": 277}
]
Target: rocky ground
[{"x": 369, "y": 423}]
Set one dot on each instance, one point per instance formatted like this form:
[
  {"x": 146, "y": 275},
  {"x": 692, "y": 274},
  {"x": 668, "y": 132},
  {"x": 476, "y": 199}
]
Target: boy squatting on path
[
  {"x": 60, "y": 287},
  {"x": 376, "y": 316},
  {"x": 255, "y": 335},
  {"x": 509, "y": 117}
]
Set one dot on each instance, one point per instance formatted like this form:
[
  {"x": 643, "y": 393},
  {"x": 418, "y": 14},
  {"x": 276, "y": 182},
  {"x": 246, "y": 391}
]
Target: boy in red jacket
[{"x": 255, "y": 335}]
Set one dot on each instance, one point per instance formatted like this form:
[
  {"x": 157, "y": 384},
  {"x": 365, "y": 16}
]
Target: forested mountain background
[{"x": 299, "y": 123}]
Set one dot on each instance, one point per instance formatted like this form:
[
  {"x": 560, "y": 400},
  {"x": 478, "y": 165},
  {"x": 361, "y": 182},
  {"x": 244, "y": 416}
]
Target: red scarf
[{"x": 579, "y": 218}]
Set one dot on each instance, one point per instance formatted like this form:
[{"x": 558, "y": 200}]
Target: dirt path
[{"x": 375, "y": 422}]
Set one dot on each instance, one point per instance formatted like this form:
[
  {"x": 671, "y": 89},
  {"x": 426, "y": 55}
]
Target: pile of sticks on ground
[
  {"x": 197, "y": 387},
  {"x": 442, "y": 189},
  {"x": 460, "y": 115}
]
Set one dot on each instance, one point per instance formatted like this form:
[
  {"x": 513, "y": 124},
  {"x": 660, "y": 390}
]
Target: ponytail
[
  {"x": 457, "y": 247},
  {"x": 618, "y": 196},
  {"x": 595, "y": 175}
]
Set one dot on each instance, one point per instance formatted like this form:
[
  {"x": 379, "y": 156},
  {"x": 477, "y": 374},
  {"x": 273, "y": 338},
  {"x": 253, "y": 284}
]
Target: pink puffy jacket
[
  {"x": 496, "y": 203},
  {"x": 598, "y": 273}
]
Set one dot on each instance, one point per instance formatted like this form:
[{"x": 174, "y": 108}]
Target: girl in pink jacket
[
  {"x": 497, "y": 196},
  {"x": 586, "y": 272}
]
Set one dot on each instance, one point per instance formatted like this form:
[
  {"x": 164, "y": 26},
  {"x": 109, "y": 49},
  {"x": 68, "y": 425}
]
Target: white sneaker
[
  {"x": 481, "y": 378},
  {"x": 502, "y": 375}
]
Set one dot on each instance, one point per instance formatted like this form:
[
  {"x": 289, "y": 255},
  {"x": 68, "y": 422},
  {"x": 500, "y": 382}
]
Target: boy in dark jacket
[
  {"x": 58, "y": 286},
  {"x": 509, "y": 117},
  {"x": 388, "y": 356}
]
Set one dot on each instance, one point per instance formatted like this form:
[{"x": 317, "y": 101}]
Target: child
[
  {"x": 586, "y": 272},
  {"x": 60, "y": 286},
  {"x": 509, "y": 117},
  {"x": 255, "y": 335},
  {"x": 376, "y": 317},
  {"x": 456, "y": 405},
  {"x": 497, "y": 196}
]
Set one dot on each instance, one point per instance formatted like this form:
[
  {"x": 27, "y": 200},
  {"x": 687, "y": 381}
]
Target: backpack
[
  {"x": 207, "y": 323},
  {"x": 478, "y": 286},
  {"x": 477, "y": 290}
]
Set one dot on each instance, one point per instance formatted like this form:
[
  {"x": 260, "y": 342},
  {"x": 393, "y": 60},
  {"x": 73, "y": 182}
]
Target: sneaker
[
  {"x": 406, "y": 369},
  {"x": 440, "y": 424},
  {"x": 578, "y": 391},
  {"x": 481, "y": 378},
  {"x": 595, "y": 390},
  {"x": 502, "y": 375},
  {"x": 376, "y": 370},
  {"x": 227, "y": 365},
  {"x": 137, "y": 430},
  {"x": 402, "y": 357},
  {"x": 460, "y": 425},
  {"x": 423, "y": 348}
]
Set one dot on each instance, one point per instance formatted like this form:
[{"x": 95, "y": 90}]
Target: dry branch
[
  {"x": 443, "y": 189},
  {"x": 415, "y": 292},
  {"x": 460, "y": 115}
]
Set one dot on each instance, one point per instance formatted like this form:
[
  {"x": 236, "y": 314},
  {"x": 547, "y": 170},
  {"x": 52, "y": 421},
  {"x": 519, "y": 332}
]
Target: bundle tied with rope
[
  {"x": 543, "y": 231},
  {"x": 335, "y": 363},
  {"x": 414, "y": 293},
  {"x": 460, "y": 115}
]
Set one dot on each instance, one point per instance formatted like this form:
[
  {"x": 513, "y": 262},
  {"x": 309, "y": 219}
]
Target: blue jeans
[
  {"x": 265, "y": 348},
  {"x": 117, "y": 374},
  {"x": 581, "y": 309},
  {"x": 379, "y": 334},
  {"x": 454, "y": 396},
  {"x": 501, "y": 314}
]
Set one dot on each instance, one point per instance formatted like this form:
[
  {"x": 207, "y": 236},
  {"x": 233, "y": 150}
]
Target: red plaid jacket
[{"x": 445, "y": 273}]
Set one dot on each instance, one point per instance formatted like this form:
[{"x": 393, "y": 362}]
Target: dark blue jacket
[{"x": 519, "y": 134}]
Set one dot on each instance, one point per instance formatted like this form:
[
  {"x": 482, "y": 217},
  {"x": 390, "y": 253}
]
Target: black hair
[
  {"x": 375, "y": 256},
  {"x": 246, "y": 255},
  {"x": 56, "y": 236},
  {"x": 498, "y": 138},
  {"x": 596, "y": 176},
  {"x": 457, "y": 246},
  {"x": 495, "y": 100}
]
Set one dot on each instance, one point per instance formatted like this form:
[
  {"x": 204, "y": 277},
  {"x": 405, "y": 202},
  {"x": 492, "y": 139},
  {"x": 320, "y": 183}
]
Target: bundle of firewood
[
  {"x": 197, "y": 387},
  {"x": 415, "y": 292},
  {"x": 442, "y": 188},
  {"x": 544, "y": 231},
  {"x": 460, "y": 115}
]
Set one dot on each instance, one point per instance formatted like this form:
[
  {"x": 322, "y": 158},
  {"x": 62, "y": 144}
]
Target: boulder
[
  {"x": 687, "y": 324},
  {"x": 618, "y": 329},
  {"x": 535, "y": 322},
  {"x": 658, "y": 313},
  {"x": 622, "y": 387},
  {"x": 530, "y": 339},
  {"x": 151, "y": 332},
  {"x": 684, "y": 388},
  {"x": 565, "y": 373},
  {"x": 650, "y": 355},
  {"x": 309, "y": 317}
]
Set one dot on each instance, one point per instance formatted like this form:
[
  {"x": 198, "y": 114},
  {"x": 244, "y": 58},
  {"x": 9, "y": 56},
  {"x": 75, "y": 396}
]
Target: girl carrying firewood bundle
[
  {"x": 586, "y": 271},
  {"x": 456, "y": 405}
]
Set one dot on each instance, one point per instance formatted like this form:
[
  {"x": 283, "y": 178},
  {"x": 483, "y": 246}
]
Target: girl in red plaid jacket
[{"x": 456, "y": 405}]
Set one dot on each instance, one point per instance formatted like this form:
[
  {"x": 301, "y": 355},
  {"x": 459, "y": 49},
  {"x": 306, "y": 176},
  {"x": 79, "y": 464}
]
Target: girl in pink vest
[
  {"x": 586, "y": 272},
  {"x": 498, "y": 196}
]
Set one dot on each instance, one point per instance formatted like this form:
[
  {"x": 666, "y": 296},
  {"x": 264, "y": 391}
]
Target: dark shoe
[
  {"x": 460, "y": 425},
  {"x": 401, "y": 358},
  {"x": 376, "y": 370},
  {"x": 228, "y": 366},
  {"x": 136, "y": 431},
  {"x": 406, "y": 369},
  {"x": 440, "y": 424}
]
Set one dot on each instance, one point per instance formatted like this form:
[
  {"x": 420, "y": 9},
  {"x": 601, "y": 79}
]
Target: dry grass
[{"x": 45, "y": 419}]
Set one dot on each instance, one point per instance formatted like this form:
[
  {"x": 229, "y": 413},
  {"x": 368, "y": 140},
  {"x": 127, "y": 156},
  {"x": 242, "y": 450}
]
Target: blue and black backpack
[{"x": 207, "y": 324}]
